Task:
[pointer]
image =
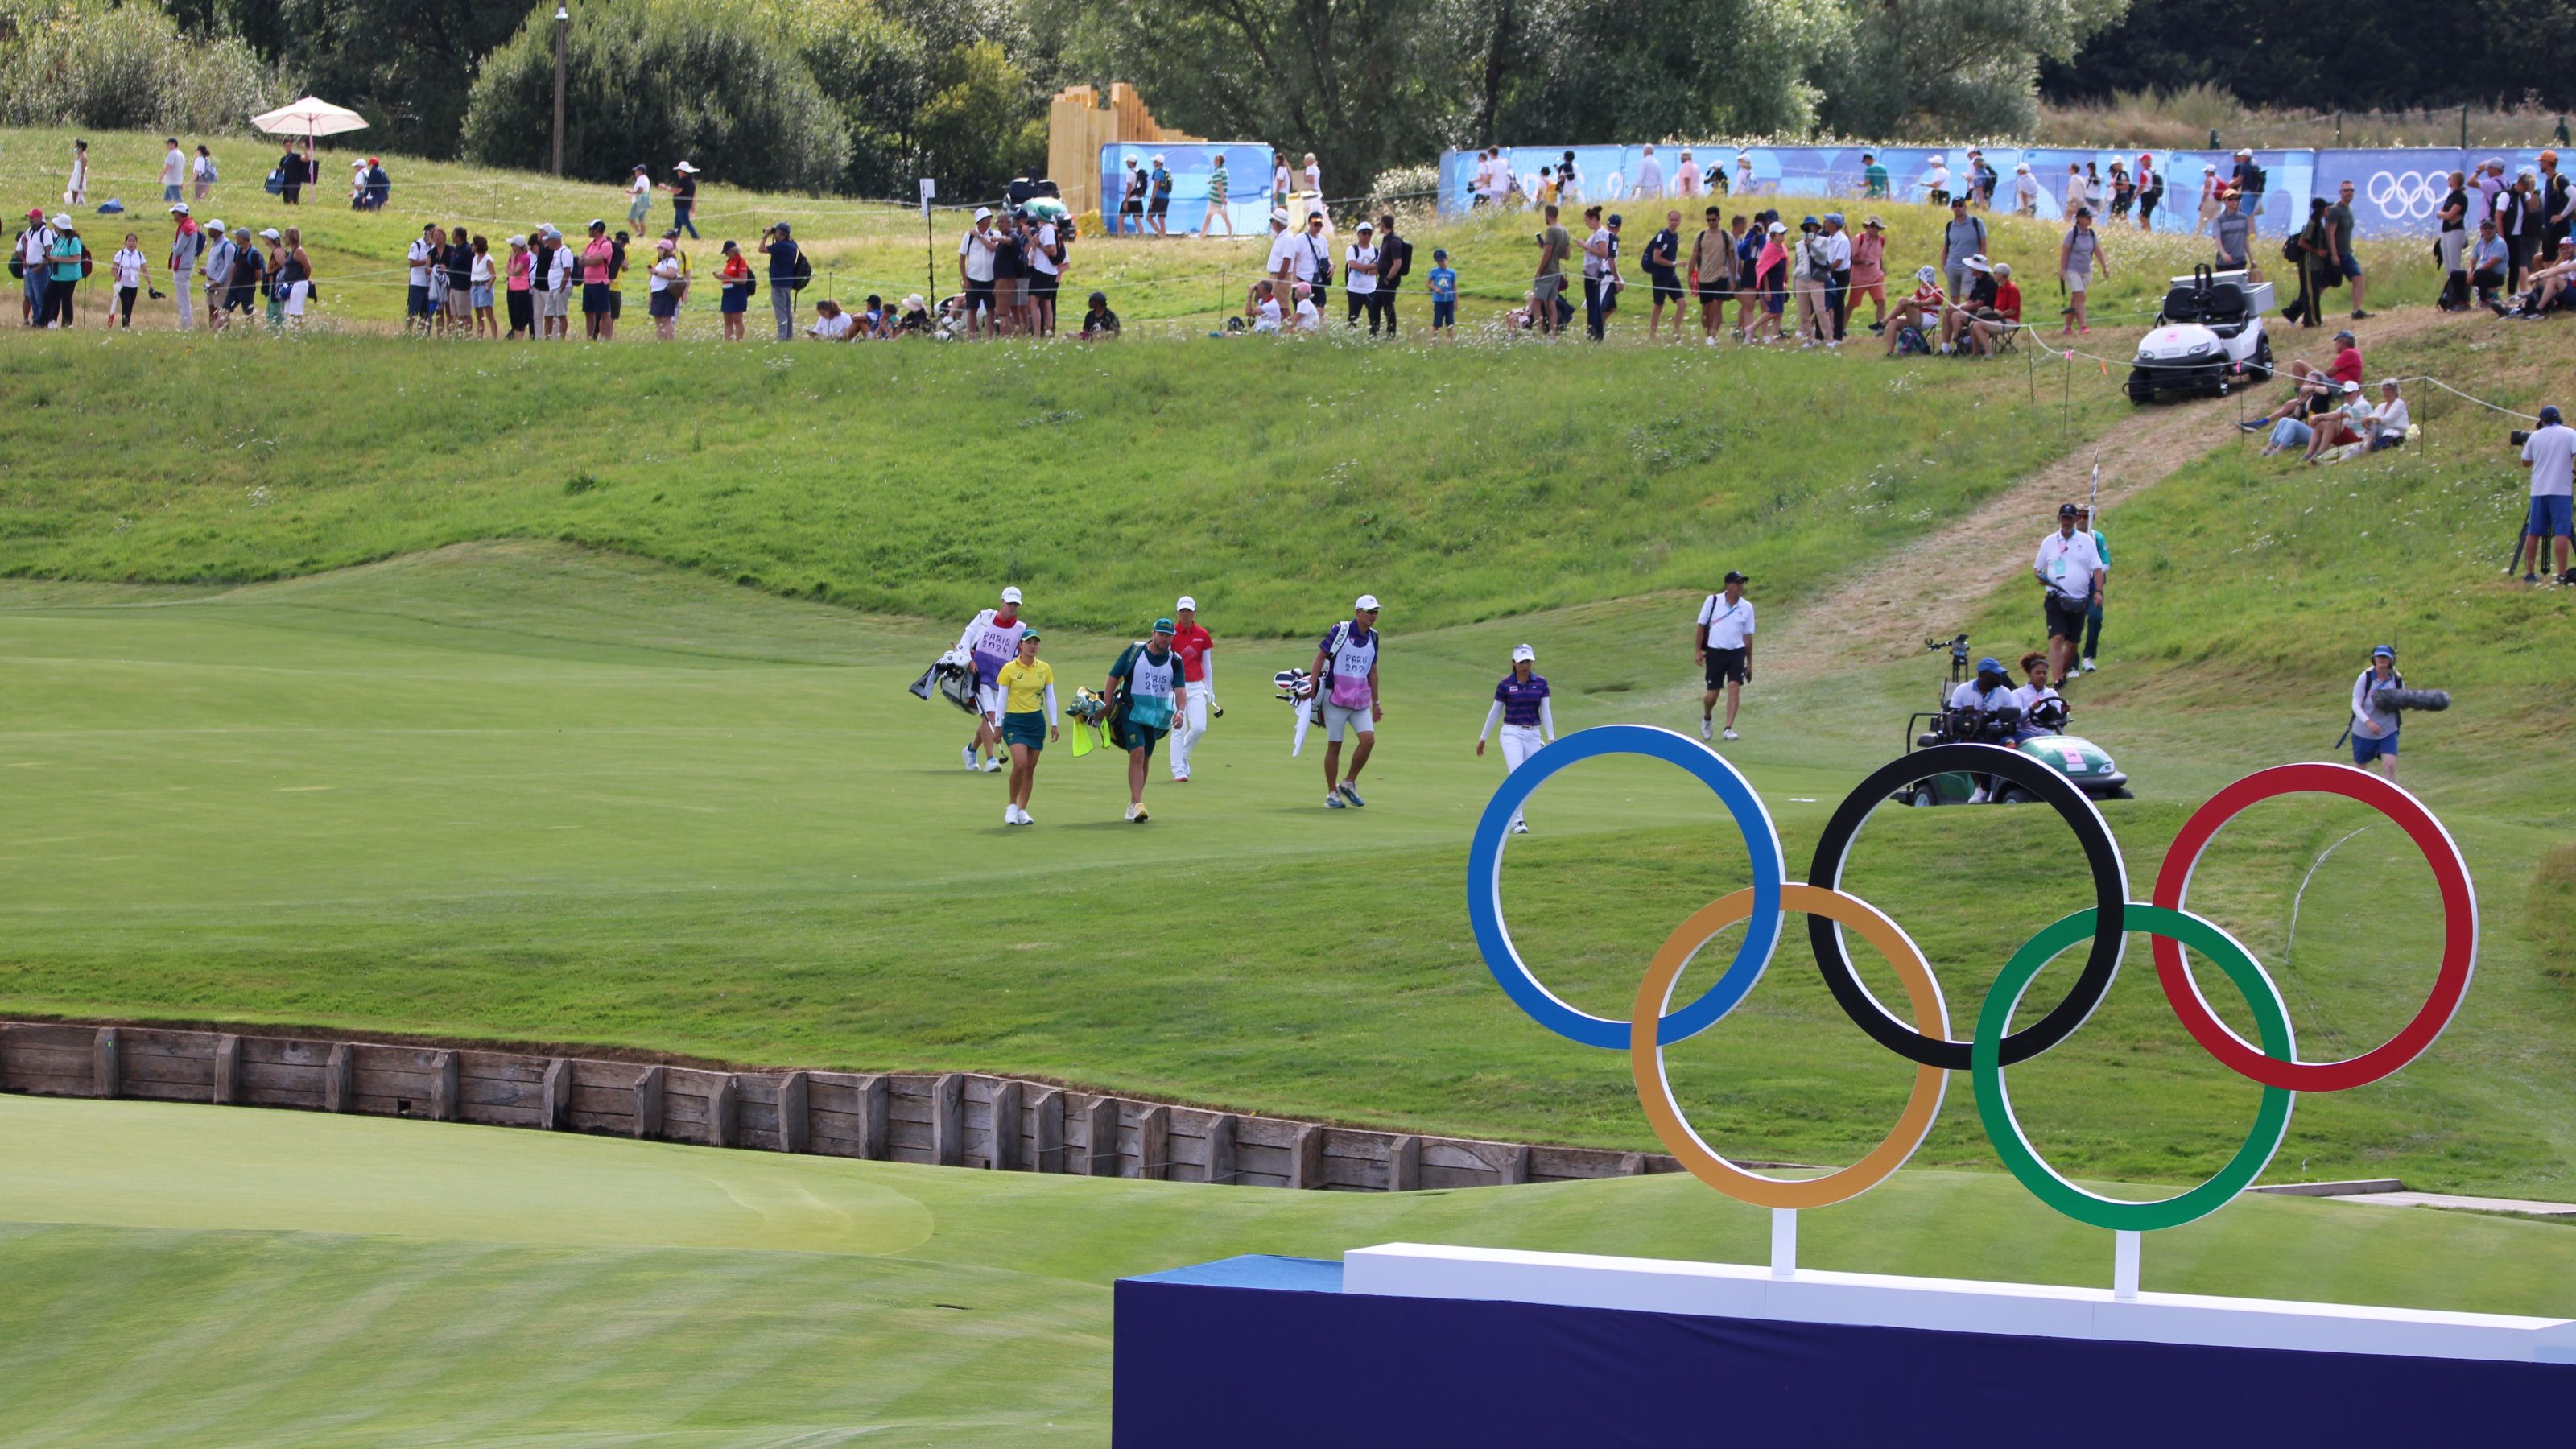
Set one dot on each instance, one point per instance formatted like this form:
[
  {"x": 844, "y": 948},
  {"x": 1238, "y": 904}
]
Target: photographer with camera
[{"x": 2549, "y": 451}]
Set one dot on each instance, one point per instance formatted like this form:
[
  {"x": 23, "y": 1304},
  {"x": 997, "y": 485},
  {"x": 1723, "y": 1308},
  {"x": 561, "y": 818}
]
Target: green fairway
[{"x": 280, "y": 1278}]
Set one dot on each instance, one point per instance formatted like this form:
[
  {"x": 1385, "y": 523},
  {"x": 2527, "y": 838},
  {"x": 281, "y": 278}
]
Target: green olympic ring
[{"x": 1994, "y": 1103}]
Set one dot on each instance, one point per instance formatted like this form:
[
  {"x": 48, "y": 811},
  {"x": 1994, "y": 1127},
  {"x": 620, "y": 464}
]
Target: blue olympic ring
[{"x": 1485, "y": 884}]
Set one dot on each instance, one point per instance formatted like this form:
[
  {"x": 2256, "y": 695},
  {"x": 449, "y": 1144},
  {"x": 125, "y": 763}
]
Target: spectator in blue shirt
[
  {"x": 2488, "y": 259},
  {"x": 1444, "y": 292},
  {"x": 782, "y": 279}
]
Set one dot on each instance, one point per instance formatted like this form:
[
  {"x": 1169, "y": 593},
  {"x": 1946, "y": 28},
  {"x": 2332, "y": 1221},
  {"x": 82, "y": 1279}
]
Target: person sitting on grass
[
  {"x": 1099, "y": 323},
  {"x": 2340, "y": 426},
  {"x": 1308, "y": 319},
  {"x": 2389, "y": 421},
  {"x": 830, "y": 323},
  {"x": 1992, "y": 323},
  {"x": 2546, "y": 289},
  {"x": 2313, "y": 390},
  {"x": 1920, "y": 311}
]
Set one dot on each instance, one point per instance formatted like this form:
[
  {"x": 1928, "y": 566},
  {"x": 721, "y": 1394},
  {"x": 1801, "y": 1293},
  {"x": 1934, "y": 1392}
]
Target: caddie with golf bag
[{"x": 992, "y": 640}]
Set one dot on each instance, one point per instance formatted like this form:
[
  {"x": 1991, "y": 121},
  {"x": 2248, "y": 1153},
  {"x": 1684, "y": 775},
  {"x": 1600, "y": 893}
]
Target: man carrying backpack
[
  {"x": 34, "y": 245},
  {"x": 786, "y": 265},
  {"x": 1963, "y": 237},
  {"x": 2249, "y": 191}
]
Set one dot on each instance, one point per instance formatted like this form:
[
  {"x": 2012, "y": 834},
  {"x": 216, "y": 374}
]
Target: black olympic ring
[{"x": 2110, "y": 901}]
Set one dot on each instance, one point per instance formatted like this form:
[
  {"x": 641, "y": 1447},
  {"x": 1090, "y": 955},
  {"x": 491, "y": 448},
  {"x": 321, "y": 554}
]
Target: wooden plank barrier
[{"x": 952, "y": 1119}]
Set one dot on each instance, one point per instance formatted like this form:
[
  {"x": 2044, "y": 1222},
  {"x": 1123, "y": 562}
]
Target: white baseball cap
[
  {"x": 215, "y": 225},
  {"x": 1010, "y": 596},
  {"x": 1524, "y": 654},
  {"x": 1186, "y": 603},
  {"x": 271, "y": 234},
  {"x": 1367, "y": 603},
  {"x": 179, "y": 209}
]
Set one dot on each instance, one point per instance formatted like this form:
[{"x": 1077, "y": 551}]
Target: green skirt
[{"x": 1025, "y": 729}]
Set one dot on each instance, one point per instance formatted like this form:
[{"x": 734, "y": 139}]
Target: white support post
[
  {"x": 1784, "y": 1242},
  {"x": 2124, "y": 1264}
]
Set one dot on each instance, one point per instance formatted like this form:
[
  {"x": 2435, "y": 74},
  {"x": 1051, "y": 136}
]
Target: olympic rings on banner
[
  {"x": 2110, "y": 899},
  {"x": 1993, "y": 1046},
  {"x": 1485, "y": 883},
  {"x": 1646, "y": 1059},
  {"x": 2459, "y": 927},
  {"x": 2403, "y": 195},
  {"x": 1994, "y": 1103}
]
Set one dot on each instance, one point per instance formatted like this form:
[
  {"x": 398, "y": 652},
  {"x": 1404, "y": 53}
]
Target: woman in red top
[{"x": 735, "y": 281}]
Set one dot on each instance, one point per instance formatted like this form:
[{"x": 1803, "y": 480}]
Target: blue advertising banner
[
  {"x": 1192, "y": 165},
  {"x": 2396, "y": 191}
]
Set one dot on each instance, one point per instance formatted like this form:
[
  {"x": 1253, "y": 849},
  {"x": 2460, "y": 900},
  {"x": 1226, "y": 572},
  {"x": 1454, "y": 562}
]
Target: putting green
[{"x": 243, "y": 1277}]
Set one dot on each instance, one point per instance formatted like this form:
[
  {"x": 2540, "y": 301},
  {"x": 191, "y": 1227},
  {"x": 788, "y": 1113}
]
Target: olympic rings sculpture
[{"x": 1923, "y": 1035}]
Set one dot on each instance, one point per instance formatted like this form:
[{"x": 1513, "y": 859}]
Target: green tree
[
  {"x": 714, "y": 81},
  {"x": 1602, "y": 70},
  {"x": 124, "y": 64},
  {"x": 1950, "y": 67},
  {"x": 978, "y": 128},
  {"x": 876, "y": 72}
]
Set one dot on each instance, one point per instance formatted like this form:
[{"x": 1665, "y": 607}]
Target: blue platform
[{"x": 1265, "y": 1350}]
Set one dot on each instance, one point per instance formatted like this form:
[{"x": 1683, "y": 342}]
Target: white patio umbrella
[{"x": 311, "y": 115}]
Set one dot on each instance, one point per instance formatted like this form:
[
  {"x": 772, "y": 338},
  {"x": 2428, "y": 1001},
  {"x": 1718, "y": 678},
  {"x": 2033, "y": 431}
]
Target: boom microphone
[{"x": 2429, "y": 701}]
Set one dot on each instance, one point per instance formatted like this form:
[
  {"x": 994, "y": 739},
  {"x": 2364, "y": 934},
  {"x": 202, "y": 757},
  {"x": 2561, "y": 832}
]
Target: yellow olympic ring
[{"x": 1646, "y": 1057}]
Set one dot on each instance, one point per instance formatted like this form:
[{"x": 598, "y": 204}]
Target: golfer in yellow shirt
[{"x": 1028, "y": 686}]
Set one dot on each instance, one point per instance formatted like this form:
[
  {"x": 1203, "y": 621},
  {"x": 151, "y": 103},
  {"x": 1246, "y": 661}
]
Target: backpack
[
  {"x": 1323, "y": 262},
  {"x": 2254, "y": 179},
  {"x": 88, "y": 262},
  {"x": 803, "y": 271},
  {"x": 18, "y": 268},
  {"x": 275, "y": 185},
  {"x": 1909, "y": 340}
]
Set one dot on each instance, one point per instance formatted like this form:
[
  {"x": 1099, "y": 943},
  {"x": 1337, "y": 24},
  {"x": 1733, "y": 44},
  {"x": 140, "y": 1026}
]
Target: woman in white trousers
[{"x": 1521, "y": 708}]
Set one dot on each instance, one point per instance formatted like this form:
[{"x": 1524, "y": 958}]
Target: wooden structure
[
  {"x": 1078, "y": 125},
  {"x": 957, "y": 1119}
]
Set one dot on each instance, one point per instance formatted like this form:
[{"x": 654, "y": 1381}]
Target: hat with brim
[
  {"x": 686, "y": 169},
  {"x": 1278, "y": 216},
  {"x": 1367, "y": 604},
  {"x": 1523, "y": 654},
  {"x": 1873, "y": 224},
  {"x": 1164, "y": 626}
]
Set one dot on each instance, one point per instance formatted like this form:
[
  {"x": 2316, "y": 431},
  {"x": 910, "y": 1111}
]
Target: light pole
[{"x": 563, "y": 22}]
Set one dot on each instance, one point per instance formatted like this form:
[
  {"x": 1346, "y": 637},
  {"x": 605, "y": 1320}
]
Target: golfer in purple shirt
[{"x": 1520, "y": 706}]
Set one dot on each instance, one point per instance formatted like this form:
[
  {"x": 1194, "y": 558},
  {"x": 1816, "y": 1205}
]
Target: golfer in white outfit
[
  {"x": 1197, "y": 649},
  {"x": 1521, "y": 708}
]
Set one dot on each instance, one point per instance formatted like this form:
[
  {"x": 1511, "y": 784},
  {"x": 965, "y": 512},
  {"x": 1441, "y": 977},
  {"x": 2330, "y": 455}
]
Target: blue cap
[
  {"x": 2549, "y": 415},
  {"x": 1990, "y": 665},
  {"x": 1162, "y": 626},
  {"x": 1835, "y": 217},
  {"x": 2384, "y": 651},
  {"x": 1439, "y": 254}
]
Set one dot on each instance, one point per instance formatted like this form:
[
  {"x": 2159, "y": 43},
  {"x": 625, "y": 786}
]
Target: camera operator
[
  {"x": 2374, "y": 730},
  {"x": 2549, "y": 451}
]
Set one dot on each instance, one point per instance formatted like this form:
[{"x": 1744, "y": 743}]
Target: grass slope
[
  {"x": 1272, "y": 483},
  {"x": 236, "y": 1277}
]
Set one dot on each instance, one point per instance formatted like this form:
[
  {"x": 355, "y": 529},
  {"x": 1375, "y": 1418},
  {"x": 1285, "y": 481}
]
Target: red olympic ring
[{"x": 2459, "y": 917}]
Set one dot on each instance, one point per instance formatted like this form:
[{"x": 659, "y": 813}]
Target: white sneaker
[
  {"x": 969, "y": 753},
  {"x": 1977, "y": 796},
  {"x": 1010, "y": 815},
  {"x": 2089, "y": 666},
  {"x": 1709, "y": 341},
  {"x": 1704, "y": 729},
  {"x": 1729, "y": 733},
  {"x": 1520, "y": 827},
  {"x": 1027, "y": 819},
  {"x": 992, "y": 764},
  {"x": 1136, "y": 813}
]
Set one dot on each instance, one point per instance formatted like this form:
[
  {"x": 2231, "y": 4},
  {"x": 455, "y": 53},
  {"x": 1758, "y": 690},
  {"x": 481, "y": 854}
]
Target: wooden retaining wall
[{"x": 956, "y": 1119}]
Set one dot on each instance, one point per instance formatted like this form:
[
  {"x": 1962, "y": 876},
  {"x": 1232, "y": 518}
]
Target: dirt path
[{"x": 1887, "y": 611}]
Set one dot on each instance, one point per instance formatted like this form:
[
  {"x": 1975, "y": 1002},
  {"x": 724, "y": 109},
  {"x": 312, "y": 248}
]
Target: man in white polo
[
  {"x": 1723, "y": 642},
  {"x": 2069, "y": 569},
  {"x": 1345, "y": 675}
]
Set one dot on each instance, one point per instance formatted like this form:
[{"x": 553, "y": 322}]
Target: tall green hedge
[{"x": 658, "y": 81}]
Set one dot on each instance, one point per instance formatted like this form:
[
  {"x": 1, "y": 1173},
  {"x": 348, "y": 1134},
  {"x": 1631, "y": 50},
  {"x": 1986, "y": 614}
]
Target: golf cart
[
  {"x": 2081, "y": 761},
  {"x": 2208, "y": 337}
]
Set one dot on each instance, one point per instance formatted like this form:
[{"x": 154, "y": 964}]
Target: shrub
[
  {"x": 657, "y": 80},
  {"x": 124, "y": 66}
]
